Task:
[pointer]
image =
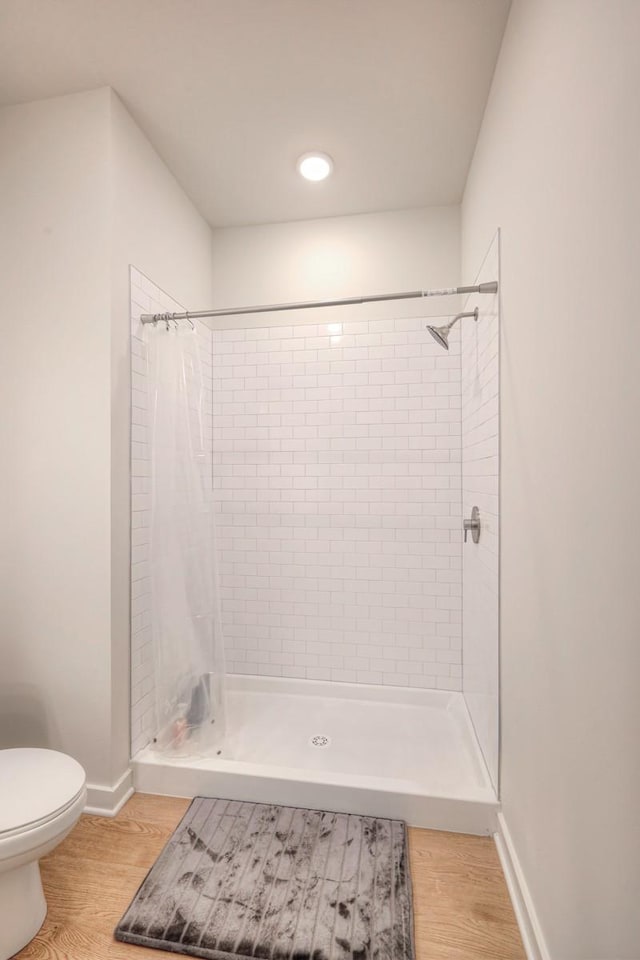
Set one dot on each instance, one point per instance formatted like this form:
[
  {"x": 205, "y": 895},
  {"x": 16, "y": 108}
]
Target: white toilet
[{"x": 42, "y": 794}]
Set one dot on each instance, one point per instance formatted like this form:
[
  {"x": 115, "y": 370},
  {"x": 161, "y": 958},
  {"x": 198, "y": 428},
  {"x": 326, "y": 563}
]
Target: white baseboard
[
  {"x": 524, "y": 909},
  {"x": 105, "y": 801}
]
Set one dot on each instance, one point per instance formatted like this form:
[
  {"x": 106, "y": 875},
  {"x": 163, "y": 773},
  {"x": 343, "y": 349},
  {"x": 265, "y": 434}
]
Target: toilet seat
[
  {"x": 25, "y": 828},
  {"x": 36, "y": 786}
]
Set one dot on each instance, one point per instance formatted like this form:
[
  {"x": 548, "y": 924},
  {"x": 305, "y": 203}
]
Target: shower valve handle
[{"x": 472, "y": 525}]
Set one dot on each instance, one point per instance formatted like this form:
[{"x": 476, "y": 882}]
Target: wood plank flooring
[{"x": 462, "y": 908}]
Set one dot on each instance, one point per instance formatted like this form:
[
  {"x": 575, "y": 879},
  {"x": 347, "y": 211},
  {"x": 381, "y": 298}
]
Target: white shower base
[{"x": 392, "y": 752}]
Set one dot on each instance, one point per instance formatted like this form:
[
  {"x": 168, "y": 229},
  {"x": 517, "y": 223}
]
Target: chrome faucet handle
[{"x": 472, "y": 525}]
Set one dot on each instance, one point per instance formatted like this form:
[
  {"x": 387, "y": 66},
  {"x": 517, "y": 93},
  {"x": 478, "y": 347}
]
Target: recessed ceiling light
[{"x": 315, "y": 166}]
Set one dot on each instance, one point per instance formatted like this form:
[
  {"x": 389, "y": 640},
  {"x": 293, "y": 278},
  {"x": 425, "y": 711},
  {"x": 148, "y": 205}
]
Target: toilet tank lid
[{"x": 35, "y": 784}]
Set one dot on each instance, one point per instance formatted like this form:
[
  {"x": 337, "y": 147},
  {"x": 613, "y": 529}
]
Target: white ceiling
[{"x": 231, "y": 92}]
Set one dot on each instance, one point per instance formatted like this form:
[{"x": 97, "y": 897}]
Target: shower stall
[{"x": 311, "y": 623}]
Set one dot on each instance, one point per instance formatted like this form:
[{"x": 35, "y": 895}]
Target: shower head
[{"x": 441, "y": 334}]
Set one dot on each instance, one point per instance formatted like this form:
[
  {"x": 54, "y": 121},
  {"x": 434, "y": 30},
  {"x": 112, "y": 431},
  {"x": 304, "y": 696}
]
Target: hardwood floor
[{"x": 462, "y": 908}]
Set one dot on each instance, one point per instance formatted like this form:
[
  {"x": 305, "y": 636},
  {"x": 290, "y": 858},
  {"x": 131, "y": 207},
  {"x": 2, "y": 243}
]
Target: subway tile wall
[
  {"x": 146, "y": 297},
  {"x": 336, "y": 465},
  {"x": 480, "y": 487}
]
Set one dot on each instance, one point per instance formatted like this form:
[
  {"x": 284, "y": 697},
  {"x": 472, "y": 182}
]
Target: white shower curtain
[{"x": 185, "y": 606}]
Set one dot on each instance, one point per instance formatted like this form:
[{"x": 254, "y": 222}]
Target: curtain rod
[{"x": 491, "y": 287}]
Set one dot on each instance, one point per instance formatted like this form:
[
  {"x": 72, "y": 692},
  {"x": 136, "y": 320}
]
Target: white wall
[
  {"x": 158, "y": 230},
  {"x": 556, "y": 167},
  {"x": 82, "y": 195},
  {"x": 339, "y": 257},
  {"x": 54, "y": 389}
]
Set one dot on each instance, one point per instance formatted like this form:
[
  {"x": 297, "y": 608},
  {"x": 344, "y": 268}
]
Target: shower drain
[{"x": 320, "y": 740}]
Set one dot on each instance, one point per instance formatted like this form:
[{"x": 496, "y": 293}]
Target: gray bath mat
[{"x": 254, "y": 880}]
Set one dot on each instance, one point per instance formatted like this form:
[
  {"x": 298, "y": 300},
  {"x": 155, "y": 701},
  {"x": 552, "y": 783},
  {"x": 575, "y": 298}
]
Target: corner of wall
[{"x": 107, "y": 801}]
